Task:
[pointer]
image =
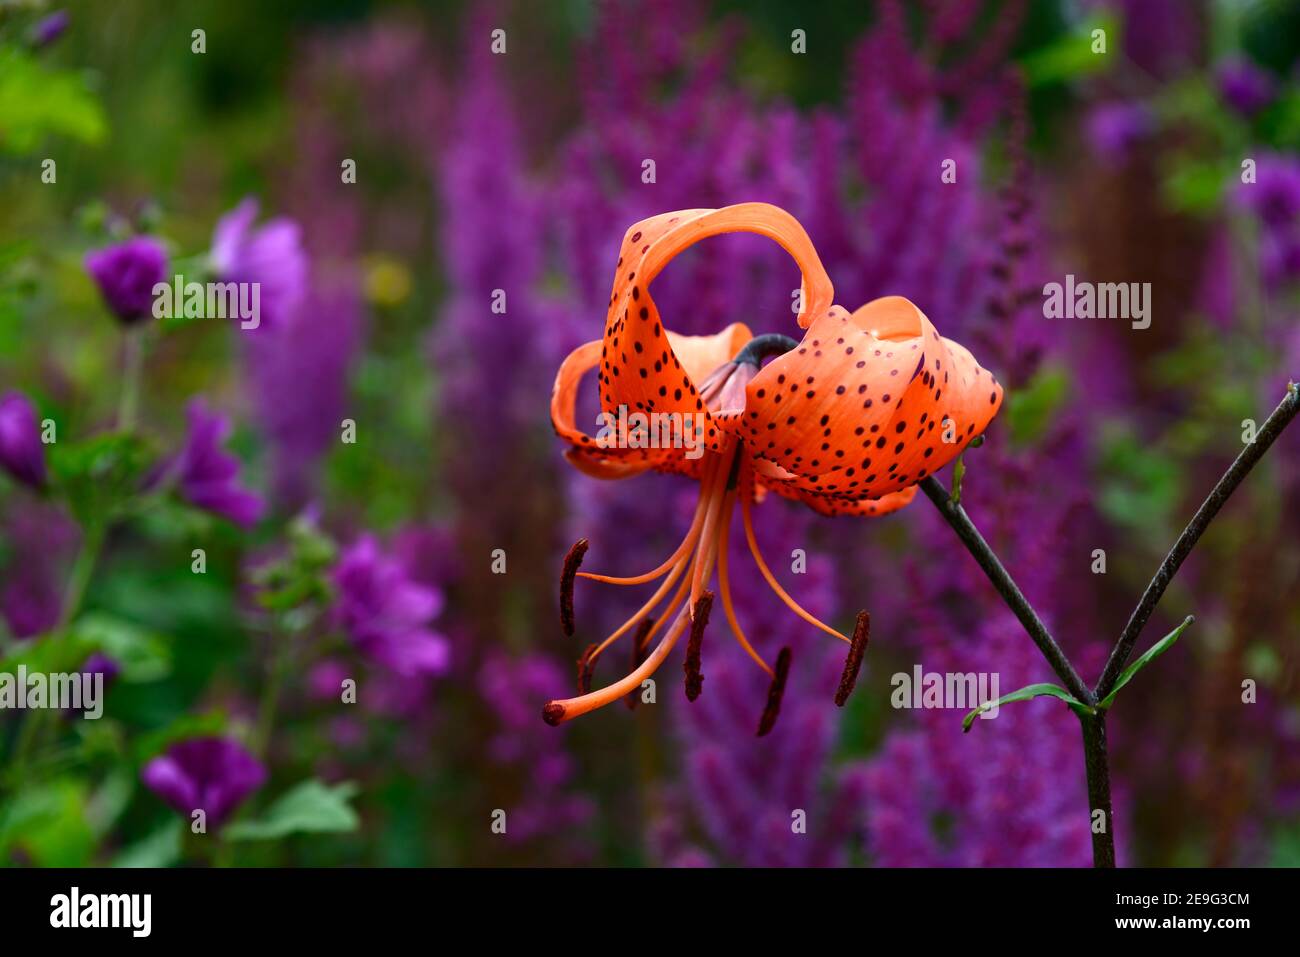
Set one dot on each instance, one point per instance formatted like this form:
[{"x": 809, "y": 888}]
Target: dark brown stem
[
  {"x": 1096, "y": 756},
  {"x": 956, "y": 516},
  {"x": 1273, "y": 426},
  {"x": 1097, "y": 762}
]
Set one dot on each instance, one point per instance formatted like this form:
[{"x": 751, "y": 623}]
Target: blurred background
[{"x": 233, "y": 559}]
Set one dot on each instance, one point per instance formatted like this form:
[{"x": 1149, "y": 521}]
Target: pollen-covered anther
[
  {"x": 553, "y": 713},
  {"x": 632, "y": 699},
  {"x": 586, "y": 664},
  {"x": 572, "y": 562},
  {"x": 774, "y": 693},
  {"x": 853, "y": 662},
  {"x": 694, "y": 677}
]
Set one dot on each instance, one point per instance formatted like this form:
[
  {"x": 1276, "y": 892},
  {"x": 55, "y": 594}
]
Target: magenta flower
[
  {"x": 21, "y": 453},
  {"x": 49, "y": 28},
  {"x": 208, "y": 475},
  {"x": 213, "y": 775},
  {"x": 126, "y": 274},
  {"x": 271, "y": 255},
  {"x": 1244, "y": 86},
  {"x": 386, "y": 613}
]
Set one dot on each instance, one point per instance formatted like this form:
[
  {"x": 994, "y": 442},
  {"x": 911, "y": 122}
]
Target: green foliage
[
  {"x": 1024, "y": 694},
  {"x": 100, "y": 476},
  {"x": 312, "y": 807},
  {"x": 299, "y": 576},
  {"x": 1140, "y": 484},
  {"x": 1150, "y": 655},
  {"x": 37, "y": 101},
  {"x": 48, "y": 825},
  {"x": 160, "y": 848},
  {"x": 1030, "y": 409},
  {"x": 142, "y": 655},
  {"x": 1071, "y": 57}
]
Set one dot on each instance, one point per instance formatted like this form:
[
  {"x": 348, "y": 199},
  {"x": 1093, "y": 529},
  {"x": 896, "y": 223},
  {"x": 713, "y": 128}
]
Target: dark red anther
[
  {"x": 694, "y": 677},
  {"x": 775, "y": 692},
  {"x": 853, "y": 663},
  {"x": 572, "y": 562}
]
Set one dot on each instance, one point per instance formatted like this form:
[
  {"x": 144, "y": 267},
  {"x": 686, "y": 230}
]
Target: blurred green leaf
[
  {"x": 100, "y": 475},
  {"x": 142, "y": 655},
  {"x": 1151, "y": 654},
  {"x": 1071, "y": 56},
  {"x": 48, "y": 825},
  {"x": 1140, "y": 484},
  {"x": 313, "y": 807},
  {"x": 1194, "y": 185},
  {"x": 37, "y": 100},
  {"x": 1030, "y": 409},
  {"x": 160, "y": 848},
  {"x": 1024, "y": 694}
]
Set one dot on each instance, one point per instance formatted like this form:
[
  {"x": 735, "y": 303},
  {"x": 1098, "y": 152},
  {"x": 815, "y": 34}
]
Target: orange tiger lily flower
[{"x": 846, "y": 421}]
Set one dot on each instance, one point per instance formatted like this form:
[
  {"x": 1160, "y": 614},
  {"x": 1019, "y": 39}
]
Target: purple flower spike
[
  {"x": 386, "y": 613},
  {"x": 1244, "y": 86},
  {"x": 214, "y": 775},
  {"x": 21, "y": 453},
  {"x": 126, "y": 274},
  {"x": 272, "y": 256},
  {"x": 209, "y": 475}
]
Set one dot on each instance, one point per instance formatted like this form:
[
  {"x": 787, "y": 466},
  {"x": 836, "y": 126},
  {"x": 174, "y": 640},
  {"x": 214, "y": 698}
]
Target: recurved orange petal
[
  {"x": 867, "y": 405},
  {"x": 639, "y": 366}
]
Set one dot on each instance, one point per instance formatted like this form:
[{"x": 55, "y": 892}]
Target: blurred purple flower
[
  {"x": 325, "y": 679},
  {"x": 299, "y": 371},
  {"x": 271, "y": 255},
  {"x": 747, "y": 789},
  {"x": 1115, "y": 128},
  {"x": 100, "y": 664},
  {"x": 22, "y": 454},
  {"x": 1274, "y": 200},
  {"x": 387, "y": 614},
  {"x": 1245, "y": 86},
  {"x": 214, "y": 775},
  {"x": 49, "y": 28},
  {"x": 547, "y": 803},
  {"x": 126, "y": 274},
  {"x": 208, "y": 475},
  {"x": 40, "y": 540}
]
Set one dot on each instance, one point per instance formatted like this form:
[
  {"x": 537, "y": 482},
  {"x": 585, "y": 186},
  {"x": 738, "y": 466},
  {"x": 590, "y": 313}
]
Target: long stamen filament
[
  {"x": 648, "y": 607},
  {"x": 706, "y": 553},
  {"x": 557, "y": 711},
  {"x": 682, "y": 551},
  {"x": 707, "y": 548},
  {"x": 793, "y": 605},
  {"x": 724, "y": 589}
]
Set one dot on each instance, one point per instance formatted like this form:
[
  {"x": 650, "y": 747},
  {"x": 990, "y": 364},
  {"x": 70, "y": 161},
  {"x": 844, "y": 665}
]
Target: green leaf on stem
[
  {"x": 958, "y": 473},
  {"x": 161, "y": 848},
  {"x": 1024, "y": 694},
  {"x": 100, "y": 476},
  {"x": 313, "y": 807},
  {"x": 1155, "y": 651}
]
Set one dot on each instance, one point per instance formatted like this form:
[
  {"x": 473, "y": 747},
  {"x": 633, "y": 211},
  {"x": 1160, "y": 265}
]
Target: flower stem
[
  {"x": 1097, "y": 764},
  {"x": 956, "y": 517},
  {"x": 271, "y": 691},
  {"x": 1096, "y": 756},
  {"x": 1252, "y": 453},
  {"x": 132, "y": 371},
  {"x": 33, "y": 729}
]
